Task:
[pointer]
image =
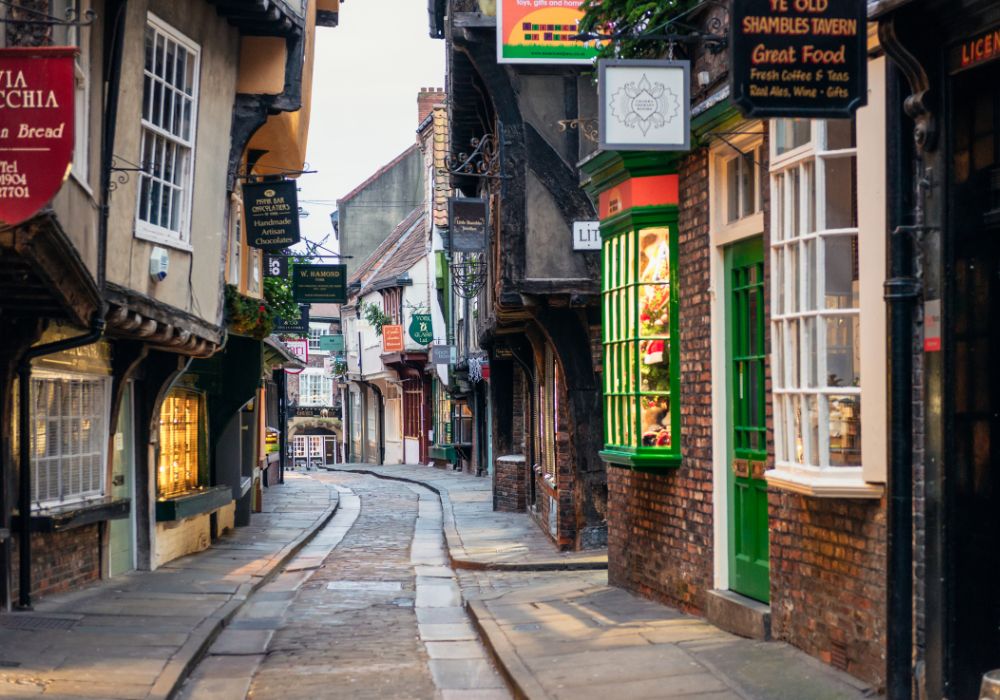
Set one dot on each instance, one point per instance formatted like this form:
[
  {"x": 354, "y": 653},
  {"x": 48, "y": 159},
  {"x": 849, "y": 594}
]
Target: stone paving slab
[
  {"x": 138, "y": 635},
  {"x": 478, "y": 537}
]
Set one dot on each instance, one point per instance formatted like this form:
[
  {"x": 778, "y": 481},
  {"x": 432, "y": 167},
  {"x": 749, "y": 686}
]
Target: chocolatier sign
[
  {"x": 36, "y": 128},
  {"x": 799, "y": 58}
]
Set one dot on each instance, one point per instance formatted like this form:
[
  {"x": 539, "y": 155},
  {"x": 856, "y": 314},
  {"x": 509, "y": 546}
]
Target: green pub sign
[
  {"x": 421, "y": 329},
  {"x": 319, "y": 284},
  {"x": 332, "y": 343}
]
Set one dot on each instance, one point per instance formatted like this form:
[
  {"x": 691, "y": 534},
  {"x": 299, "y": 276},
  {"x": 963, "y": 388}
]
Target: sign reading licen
[
  {"x": 272, "y": 214},
  {"x": 320, "y": 284},
  {"x": 799, "y": 58},
  {"x": 37, "y": 91}
]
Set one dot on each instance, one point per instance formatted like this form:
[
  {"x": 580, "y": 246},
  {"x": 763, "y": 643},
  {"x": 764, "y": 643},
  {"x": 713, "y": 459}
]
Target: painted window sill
[
  {"x": 194, "y": 503},
  {"x": 77, "y": 515},
  {"x": 641, "y": 461},
  {"x": 823, "y": 486}
]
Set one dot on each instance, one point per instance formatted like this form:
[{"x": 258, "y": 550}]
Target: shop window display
[{"x": 640, "y": 329}]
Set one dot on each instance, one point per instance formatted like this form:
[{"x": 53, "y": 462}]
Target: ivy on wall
[
  {"x": 629, "y": 20},
  {"x": 375, "y": 316}
]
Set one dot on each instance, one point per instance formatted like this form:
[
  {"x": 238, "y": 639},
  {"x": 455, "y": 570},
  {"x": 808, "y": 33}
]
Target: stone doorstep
[{"x": 738, "y": 614}]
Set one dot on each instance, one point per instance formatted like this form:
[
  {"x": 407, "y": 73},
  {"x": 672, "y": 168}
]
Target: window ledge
[
  {"x": 77, "y": 515},
  {"x": 194, "y": 503},
  {"x": 163, "y": 239},
  {"x": 640, "y": 461},
  {"x": 823, "y": 486}
]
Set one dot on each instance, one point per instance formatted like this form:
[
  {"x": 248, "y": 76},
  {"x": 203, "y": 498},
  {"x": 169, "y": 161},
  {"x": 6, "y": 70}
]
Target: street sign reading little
[
  {"x": 37, "y": 86},
  {"x": 799, "y": 58},
  {"x": 421, "y": 329},
  {"x": 272, "y": 213},
  {"x": 319, "y": 284},
  {"x": 586, "y": 235},
  {"x": 332, "y": 343},
  {"x": 467, "y": 221}
]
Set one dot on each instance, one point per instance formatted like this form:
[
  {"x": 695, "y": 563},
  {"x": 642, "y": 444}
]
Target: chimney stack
[{"x": 426, "y": 99}]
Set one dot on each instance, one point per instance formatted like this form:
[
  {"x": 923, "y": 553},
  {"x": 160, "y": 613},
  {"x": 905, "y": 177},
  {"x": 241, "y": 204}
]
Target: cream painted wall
[
  {"x": 177, "y": 539},
  {"x": 195, "y": 276}
]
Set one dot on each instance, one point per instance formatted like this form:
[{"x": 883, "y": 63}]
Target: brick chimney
[{"x": 426, "y": 99}]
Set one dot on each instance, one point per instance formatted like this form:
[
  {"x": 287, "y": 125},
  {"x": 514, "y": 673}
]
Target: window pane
[
  {"x": 790, "y": 134},
  {"x": 748, "y": 184},
  {"x": 811, "y": 281},
  {"x": 654, "y": 365},
  {"x": 796, "y": 204},
  {"x": 845, "y": 431},
  {"x": 840, "y": 134},
  {"x": 812, "y": 430},
  {"x": 732, "y": 189},
  {"x": 797, "y": 437},
  {"x": 793, "y": 277},
  {"x": 655, "y": 421},
  {"x": 778, "y": 202},
  {"x": 841, "y": 267},
  {"x": 843, "y": 350},
  {"x": 841, "y": 194},
  {"x": 793, "y": 354},
  {"x": 811, "y": 359}
]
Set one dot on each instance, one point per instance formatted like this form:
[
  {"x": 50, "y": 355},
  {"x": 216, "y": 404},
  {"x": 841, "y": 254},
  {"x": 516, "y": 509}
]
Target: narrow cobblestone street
[{"x": 369, "y": 609}]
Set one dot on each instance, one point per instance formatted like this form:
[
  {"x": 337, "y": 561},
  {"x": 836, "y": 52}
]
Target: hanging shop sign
[
  {"x": 799, "y": 58},
  {"x": 586, "y": 235},
  {"x": 645, "y": 105},
  {"x": 421, "y": 329},
  {"x": 272, "y": 212},
  {"x": 541, "y": 31},
  {"x": 276, "y": 266},
  {"x": 320, "y": 284},
  {"x": 300, "y": 326},
  {"x": 298, "y": 347},
  {"x": 392, "y": 338},
  {"x": 332, "y": 343},
  {"x": 468, "y": 219},
  {"x": 37, "y": 105},
  {"x": 443, "y": 354}
]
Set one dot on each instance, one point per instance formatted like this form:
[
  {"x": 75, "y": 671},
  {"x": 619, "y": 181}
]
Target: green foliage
[
  {"x": 247, "y": 316},
  {"x": 628, "y": 20},
  {"x": 375, "y": 316},
  {"x": 278, "y": 295}
]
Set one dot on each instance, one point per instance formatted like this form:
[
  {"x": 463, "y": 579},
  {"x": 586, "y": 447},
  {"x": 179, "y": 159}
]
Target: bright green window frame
[{"x": 641, "y": 383}]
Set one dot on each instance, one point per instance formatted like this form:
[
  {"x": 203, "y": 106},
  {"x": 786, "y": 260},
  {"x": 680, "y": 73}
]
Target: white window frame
[
  {"x": 316, "y": 331},
  {"x": 821, "y": 479},
  {"x": 322, "y": 395},
  {"x": 725, "y": 232},
  {"x": 181, "y": 238},
  {"x": 66, "y": 463},
  {"x": 236, "y": 233}
]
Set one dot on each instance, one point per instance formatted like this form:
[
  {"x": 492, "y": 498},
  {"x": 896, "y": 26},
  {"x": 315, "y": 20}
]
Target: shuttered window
[
  {"x": 69, "y": 438},
  {"x": 180, "y": 423}
]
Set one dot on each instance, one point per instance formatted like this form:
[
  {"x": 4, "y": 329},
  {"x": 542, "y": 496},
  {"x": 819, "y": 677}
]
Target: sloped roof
[
  {"x": 376, "y": 175},
  {"x": 401, "y": 248},
  {"x": 442, "y": 179}
]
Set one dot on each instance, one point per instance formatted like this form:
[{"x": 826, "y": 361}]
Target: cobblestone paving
[{"x": 356, "y": 628}]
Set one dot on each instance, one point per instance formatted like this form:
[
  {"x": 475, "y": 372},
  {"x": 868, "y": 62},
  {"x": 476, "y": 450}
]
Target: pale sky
[{"x": 364, "y": 107}]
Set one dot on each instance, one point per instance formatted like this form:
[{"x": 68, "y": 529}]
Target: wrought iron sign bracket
[
  {"x": 123, "y": 173},
  {"x": 587, "y": 127},
  {"x": 43, "y": 18},
  {"x": 485, "y": 160}
]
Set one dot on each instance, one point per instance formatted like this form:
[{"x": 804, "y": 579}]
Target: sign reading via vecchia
[
  {"x": 799, "y": 58},
  {"x": 36, "y": 128},
  {"x": 272, "y": 213}
]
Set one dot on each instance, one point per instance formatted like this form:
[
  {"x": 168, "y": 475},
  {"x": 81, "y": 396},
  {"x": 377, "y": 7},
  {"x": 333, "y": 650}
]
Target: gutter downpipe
[
  {"x": 110, "y": 128},
  {"x": 24, "y": 448},
  {"x": 902, "y": 289}
]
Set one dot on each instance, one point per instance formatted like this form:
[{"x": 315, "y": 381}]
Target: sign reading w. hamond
[
  {"x": 319, "y": 284},
  {"x": 37, "y": 89},
  {"x": 799, "y": 58},
  {"x": 272, "y": 213}
]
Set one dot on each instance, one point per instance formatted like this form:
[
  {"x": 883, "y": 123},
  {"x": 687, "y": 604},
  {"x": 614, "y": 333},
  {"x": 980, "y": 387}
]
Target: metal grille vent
[{"x": 35, "y": 622}]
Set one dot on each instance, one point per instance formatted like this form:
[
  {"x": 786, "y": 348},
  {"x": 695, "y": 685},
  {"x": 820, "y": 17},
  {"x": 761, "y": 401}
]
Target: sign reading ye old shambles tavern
[{"x": 799, "y": 58}]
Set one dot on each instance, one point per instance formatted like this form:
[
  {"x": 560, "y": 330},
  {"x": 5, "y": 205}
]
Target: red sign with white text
[{"x": 37, "y": 94}]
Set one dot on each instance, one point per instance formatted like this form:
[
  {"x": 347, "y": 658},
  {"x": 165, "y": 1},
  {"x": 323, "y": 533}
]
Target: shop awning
[{"x": 277, "y": 354}]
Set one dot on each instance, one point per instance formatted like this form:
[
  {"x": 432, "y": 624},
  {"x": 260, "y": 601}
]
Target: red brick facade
[
  {"x": 827, "y": 555},
  {"x": 61, "y": 561}
]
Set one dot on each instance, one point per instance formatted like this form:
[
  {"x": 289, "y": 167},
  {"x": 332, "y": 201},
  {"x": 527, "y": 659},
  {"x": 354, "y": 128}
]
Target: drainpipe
[
  {"x": 116, "y": 26},
  {"x": 24, "y": 432},
  {"x": 901, "y": 292}
]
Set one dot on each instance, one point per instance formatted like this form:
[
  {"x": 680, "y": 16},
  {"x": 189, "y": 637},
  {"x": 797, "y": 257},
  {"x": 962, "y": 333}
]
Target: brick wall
[
  {"x": 660, "y": 524},
  {"x": 827, "y": 580},
  {"x": 61, "y": 561}
]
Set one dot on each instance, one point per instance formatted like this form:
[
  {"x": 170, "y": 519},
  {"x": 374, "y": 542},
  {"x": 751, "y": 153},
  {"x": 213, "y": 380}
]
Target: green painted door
[
  {"x": 121, "y": 547},
  {"x": 747, "y": 449}
]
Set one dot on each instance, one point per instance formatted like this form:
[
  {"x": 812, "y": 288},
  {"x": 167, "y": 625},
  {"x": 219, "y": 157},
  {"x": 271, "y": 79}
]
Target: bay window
[
  {"x": 180, "y": 460},
  {"x": 315, "y": 389},
  {"x": 641, "y": 360},
  {"x": 821, "y": 273}
]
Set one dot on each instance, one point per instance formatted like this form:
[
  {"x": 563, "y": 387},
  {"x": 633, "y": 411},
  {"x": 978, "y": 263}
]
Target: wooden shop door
[{"x": 749, "y": 570}]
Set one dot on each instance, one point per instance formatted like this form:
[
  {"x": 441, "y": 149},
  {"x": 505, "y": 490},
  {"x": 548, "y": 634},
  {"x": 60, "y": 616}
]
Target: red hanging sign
[
  {"x": 392, "y": 338},
  {"x": 37, "y": 95}
]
